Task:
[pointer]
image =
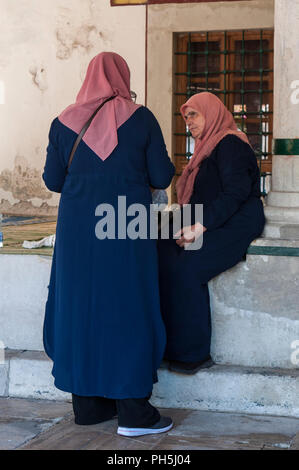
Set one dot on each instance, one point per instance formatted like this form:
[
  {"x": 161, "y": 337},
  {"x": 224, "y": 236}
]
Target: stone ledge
[
  {"x": 274, "y": 246},
  {"x": 252, "y": 390},
  {"x": 27, "y": 374},
  {"x": 252, "y": 324},
  {"x": 281, "y": 230},
  {"x": 230, "y": 388},
  {"x": 281, "y": 243}
]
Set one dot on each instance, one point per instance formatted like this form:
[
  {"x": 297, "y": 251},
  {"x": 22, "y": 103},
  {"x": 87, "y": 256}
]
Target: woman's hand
[{"x": 189, "y": 234}]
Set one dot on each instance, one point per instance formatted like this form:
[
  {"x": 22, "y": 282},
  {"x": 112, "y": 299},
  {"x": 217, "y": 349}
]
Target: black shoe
[
  {"x": 190, "y": 367},
  {"x": 163, "y": 425}
]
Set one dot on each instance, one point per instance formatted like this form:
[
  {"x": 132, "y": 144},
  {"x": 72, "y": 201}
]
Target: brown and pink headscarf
[
  {"x": 219, "y": 122},
  {"x": 107, "y": 75}
]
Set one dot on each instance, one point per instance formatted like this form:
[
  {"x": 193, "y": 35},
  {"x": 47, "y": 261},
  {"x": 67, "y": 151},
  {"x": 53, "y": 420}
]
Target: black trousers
[{"x": 131, "y": 412}]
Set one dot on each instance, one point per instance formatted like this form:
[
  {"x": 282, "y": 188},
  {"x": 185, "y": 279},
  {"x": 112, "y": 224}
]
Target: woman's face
[{"x": 195, "y": 122}]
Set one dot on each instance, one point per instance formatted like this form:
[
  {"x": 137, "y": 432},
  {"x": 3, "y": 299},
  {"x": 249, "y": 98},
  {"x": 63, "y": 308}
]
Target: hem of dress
[{"x": 115, "y": 396}]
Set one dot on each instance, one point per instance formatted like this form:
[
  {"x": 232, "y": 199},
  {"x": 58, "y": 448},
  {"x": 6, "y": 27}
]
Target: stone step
[
  {"x": 255, "y": 317},
  {"x": 252, "y": 390}
]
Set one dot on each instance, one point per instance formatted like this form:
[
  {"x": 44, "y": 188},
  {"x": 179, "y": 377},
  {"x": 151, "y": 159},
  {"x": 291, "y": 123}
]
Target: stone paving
[{"x": 48, "y": 425}]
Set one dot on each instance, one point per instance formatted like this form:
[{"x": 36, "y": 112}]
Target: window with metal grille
[{"x": 237, "y": 66}]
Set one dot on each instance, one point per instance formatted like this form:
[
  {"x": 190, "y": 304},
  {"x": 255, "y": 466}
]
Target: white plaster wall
[
  {"x": 45, "y": 47},
  {"x": 286, "y": 84}
]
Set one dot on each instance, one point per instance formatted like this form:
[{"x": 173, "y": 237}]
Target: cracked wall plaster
[
  {"x": 70, "y": 38},
  {"x": 27, "y": 208},
  {"x": 24, "y": 182},
  {"x": 39, "y": 77}
]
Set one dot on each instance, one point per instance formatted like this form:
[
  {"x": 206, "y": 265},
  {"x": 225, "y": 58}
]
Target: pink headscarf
[
  {"x": 107, "y": 75},
  {"x": 219, "y": 123}
]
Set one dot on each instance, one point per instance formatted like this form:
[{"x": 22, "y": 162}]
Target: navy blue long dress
[
  {"x": 103, "y": 327},
  {"x": 227, "y": 185}
]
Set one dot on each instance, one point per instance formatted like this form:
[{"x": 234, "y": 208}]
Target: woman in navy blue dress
[
  {"x": 103, "y": 327},
  {"x": 223, "y": 176}
]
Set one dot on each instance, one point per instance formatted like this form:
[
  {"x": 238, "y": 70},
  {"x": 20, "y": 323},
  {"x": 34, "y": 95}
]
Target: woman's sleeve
[
  {"x": 55, "y": 169},
  {"x": 237, "y": 166},
  {"x": 159, "y": 166}
]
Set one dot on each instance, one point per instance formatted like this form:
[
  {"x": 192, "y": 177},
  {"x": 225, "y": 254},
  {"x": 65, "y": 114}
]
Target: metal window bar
[
  {"x": 224, "y": 68},
  {"x": 263, "y": 113},
  {"x": 189, "y": 93},
  {"x": 243, "y": 84},
  {"x": 229, "y": 92},
  {"x": 259, "y": 156},
  {"x": 246, "y": 51}
]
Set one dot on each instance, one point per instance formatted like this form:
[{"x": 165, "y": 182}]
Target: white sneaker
[{"x": 163, "y": 425}]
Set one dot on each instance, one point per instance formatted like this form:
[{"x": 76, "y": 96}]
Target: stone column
[{"x": 282, "y": 204}]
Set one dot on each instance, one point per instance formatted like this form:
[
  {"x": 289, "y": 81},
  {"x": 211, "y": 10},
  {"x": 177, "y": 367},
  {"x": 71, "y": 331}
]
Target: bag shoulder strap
[{"x": 84, "y": 129}]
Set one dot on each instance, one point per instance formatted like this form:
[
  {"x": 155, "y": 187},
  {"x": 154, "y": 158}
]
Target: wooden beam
[{"x": 157, "y": 2}]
